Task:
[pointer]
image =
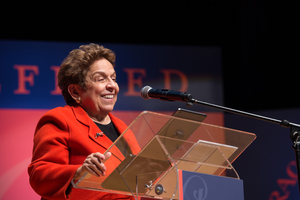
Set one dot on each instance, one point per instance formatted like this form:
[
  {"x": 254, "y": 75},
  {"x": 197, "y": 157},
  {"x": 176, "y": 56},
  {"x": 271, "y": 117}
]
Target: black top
[{"x": 109, "y": 130}]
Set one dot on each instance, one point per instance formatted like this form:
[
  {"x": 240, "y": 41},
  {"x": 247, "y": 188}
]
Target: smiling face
[{"x": 100, "y": 94}]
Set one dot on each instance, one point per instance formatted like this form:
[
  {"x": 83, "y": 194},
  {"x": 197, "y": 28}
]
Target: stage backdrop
[
  {"x": 268, "y": 166},
  {"x": 28, "y": 88}
]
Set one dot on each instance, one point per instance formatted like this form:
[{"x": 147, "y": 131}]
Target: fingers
[
  {"x": 93, "y": 169},
  {"x": 94, "y": 163},
  {"x": 107, "y": 156},
  {"x": 98, "y": 155}
]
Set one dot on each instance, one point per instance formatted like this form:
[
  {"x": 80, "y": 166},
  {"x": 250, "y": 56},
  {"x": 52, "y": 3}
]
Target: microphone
[{"x": 148, "y": 92}]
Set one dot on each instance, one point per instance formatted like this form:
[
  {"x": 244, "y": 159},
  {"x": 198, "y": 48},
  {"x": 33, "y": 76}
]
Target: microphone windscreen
[{"x": 144, "y": 92}]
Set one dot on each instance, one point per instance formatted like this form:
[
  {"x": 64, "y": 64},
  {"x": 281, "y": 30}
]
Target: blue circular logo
[{"x": 195, "y": 188}]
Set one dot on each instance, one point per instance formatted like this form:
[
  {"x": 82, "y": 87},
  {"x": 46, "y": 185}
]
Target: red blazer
[{"x": 64, "y": 137}]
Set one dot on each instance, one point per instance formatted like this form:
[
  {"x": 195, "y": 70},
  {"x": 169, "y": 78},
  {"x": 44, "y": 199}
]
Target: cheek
[
  {"x": 97, "y": 90},
  {"x": 93, "y": 93},
  {"x": 117, "y": 88}
]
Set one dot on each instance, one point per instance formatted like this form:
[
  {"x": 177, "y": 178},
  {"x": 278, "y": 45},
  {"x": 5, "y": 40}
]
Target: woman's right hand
[{"x": 93, "y": 164}]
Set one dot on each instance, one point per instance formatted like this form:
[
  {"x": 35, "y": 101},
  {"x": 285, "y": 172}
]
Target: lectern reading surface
[{"x": 167, "y": 143}]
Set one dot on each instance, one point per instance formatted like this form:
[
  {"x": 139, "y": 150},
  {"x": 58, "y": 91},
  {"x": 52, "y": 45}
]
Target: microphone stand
[{"x": 294, "y": 128}]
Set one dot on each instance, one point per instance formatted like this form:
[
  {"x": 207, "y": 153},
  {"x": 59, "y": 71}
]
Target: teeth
[{"x": 108, "y": 96}]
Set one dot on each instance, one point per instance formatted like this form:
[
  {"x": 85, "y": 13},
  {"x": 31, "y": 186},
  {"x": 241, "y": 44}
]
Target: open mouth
[{"x": 108, "y": 96}]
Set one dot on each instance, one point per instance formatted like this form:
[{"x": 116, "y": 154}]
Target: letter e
[{"x": 132, "y": 82}]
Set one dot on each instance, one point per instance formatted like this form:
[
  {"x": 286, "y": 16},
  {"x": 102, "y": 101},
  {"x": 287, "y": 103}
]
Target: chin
[{"x": 106, "y": 109}]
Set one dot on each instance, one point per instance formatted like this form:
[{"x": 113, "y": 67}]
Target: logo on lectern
[{"x": 195, "y": 188}]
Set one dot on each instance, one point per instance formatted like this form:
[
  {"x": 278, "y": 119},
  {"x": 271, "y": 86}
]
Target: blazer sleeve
[{"x": 50, "y": 172}]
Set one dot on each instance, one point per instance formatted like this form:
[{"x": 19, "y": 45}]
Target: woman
[{"x": 70, "y": 141}]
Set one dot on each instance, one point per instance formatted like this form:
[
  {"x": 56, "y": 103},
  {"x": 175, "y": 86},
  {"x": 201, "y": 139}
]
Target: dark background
[
  {"x": 260, "y": 59},
  {"x": 258, "y": 38}
]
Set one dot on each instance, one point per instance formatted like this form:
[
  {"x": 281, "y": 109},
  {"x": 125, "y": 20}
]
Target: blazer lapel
[{"x": 95, "y": 133}]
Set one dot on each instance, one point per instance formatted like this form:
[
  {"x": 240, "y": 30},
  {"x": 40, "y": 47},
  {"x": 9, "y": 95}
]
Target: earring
[{"x": 78, "y": 100}]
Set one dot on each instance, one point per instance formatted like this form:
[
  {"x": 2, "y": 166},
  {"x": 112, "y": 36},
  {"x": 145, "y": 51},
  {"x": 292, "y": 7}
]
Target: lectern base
[{"x": 209, "y": 187}]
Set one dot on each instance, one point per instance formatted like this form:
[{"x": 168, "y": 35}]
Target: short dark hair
[{"x": 75, "y": 66}]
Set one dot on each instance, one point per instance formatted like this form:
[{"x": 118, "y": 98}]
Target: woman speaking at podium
[{"x": 70, "y": 141}]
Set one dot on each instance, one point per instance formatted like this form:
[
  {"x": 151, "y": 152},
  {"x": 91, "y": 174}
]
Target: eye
[
  {"x": 98, "y": 78},
  {"x": 114, "y": 78}
]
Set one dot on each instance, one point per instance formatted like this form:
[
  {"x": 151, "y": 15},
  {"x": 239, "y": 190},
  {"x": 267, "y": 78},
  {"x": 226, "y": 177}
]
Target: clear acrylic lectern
[{"x": 149, "y": 153}]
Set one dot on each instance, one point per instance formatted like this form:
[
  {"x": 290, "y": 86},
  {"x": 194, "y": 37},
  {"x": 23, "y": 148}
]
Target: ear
[{"x": 74, "y": 91}]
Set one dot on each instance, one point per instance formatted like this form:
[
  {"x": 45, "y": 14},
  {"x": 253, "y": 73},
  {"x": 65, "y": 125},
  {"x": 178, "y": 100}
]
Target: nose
[{"x": 111, "y": 85}]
